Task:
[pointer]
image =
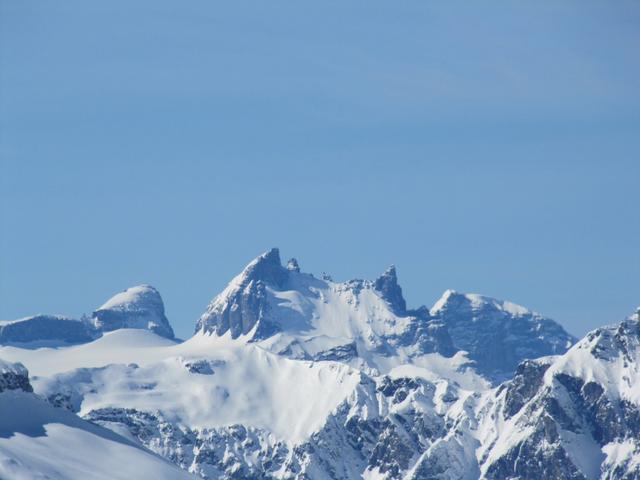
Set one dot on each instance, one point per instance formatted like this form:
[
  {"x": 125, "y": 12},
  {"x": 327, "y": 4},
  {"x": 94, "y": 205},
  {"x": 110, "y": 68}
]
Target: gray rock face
[
  {"x": 137, "y": 307},
  {"x": 243, "y": 305},
  {"x": 45, "y": 330},
  {"x": 14, "y": 376},
  {"x": 576, "y": 415},
  {"x": 354, "y": 439},
  {"x": 498, "y": 335},
  {"x": 387, "y": 285}
]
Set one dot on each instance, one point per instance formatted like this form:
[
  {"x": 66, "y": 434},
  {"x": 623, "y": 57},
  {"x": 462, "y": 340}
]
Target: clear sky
[{"x": 489, "y": 147}]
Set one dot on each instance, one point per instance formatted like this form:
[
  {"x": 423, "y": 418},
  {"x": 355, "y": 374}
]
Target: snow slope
[
  {"x": 39, "y": 441},
  {"x": 205, "y": 382}
]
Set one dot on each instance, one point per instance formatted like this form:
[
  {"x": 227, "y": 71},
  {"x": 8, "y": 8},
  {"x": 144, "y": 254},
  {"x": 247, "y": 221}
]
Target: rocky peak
[
  {"x": 498, "y": 334},
  {"x": 293, "y": 266},
  {"x": 468, "y": 302},
  {"x": 243, "y": 304},
  {"x": 387, "y": 285},
  {"x": 14, "y": 376},
  {"x": 136, "y": 307},
  {"x": 608, "y": 343},
  {"x": 266, "y": 268}
]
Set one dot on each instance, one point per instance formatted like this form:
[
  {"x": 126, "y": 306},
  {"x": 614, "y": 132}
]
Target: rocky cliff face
[
  {"x": 14, "y": 376},
  {"x": 575, "y": 416},
  {"x": 244, "y": 305},
  {"x": 498, "y": 335},
  {"x": 389, "y": 427}
]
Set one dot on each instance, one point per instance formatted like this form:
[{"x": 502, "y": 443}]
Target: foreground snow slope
[{"x": 39, "y": 441}]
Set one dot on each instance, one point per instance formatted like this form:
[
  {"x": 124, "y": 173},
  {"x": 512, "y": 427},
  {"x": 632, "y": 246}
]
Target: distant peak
[
  {"x": 452, "y": 299},
  {"x": 266, "y": 267},
  {"x": 134, "y": 297},
  {"x": 136, "y": 307},
  {"x": 272, "y": 255},
  {"x": 390, "y": 272},
  {"x": 293, "y": 265},
  {"x": 387, "y": 285},
  {"x": 443, "y": 300},
  {"x": 389, "y": 275}
]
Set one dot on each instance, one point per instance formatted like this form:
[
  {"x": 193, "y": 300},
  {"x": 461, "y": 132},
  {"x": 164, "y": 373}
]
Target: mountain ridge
[
  {"x": 289, "y": 376},
  {"x": 289, "y": 312}
]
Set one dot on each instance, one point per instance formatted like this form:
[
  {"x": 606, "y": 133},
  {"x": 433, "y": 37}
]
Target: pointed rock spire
[
  {"x": 267, "y": 268},
  {"x": 244, "y": 303},
  {"x": 293, "y": 266},
  {"x": 387, "y": 285}
]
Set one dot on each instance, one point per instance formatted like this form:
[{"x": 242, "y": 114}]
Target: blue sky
[{"x": 489, "y": 147}]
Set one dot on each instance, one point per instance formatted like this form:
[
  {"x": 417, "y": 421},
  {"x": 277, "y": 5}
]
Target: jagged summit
[
  {"x": 266, "y": 268},
  {"x": 294, "y": 376},
  {"x": 387, "y": 285},
  {"x": 136, "y": 307},
  {"x": 498, "y": 334},
  {"x": 243, "y": 304},
  {"x": 570, "y": 416},
  {"x": 298, "y": 315}
]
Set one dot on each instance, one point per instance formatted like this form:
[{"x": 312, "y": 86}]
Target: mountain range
[{"x": 291, "y": 376}]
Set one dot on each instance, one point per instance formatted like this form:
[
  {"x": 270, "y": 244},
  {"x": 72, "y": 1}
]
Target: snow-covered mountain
[
  {"x": 573, "y": 416},
  {"x": 293, "y": 377},
  {"x": 40, "y": 441},
  {"x": 360, "y": 321},
  {"x": 137, "y": 307},
  {"x": 498, "y": 335},
  {"x": 45, "y": 330}
]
